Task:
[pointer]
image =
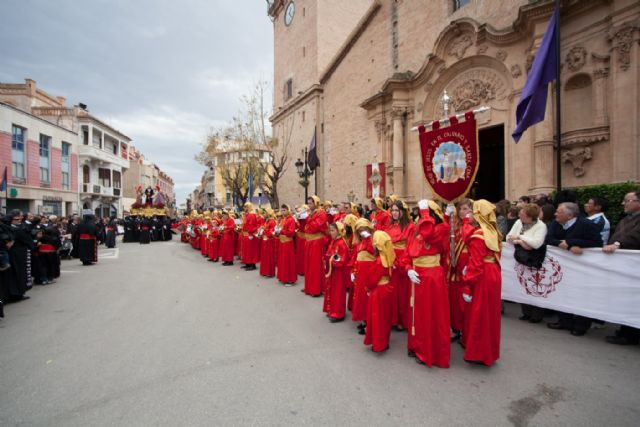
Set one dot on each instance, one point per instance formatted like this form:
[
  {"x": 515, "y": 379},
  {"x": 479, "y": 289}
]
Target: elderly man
[
  {"x": 626, "y": 236},
  {"x": 572, "y": 233}
]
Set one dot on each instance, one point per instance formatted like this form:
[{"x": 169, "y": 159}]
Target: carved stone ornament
[
  {"x": 428, "y": 87},
  {"x": 419, "y": 106},
  {"x": 577, "y": 157},
  {"x": 576, "y": 58},
  {"x": 529, "y": 62},
  {"x": 600, "y": 73},
  {"x": 474, "y": 87},
  {"x": 482, "y": 49},
  {"x": 516, "y": 71},
  {"x": 459, "y": 45},
  {"x": 501, "y": 55},
  {"x": 622, "y": 41}
]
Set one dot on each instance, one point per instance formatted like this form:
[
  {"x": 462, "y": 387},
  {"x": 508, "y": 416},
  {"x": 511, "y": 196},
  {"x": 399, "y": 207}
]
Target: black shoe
[
  {"x": 524, "y": 317},
  {"x": 362, "y": 331},
  {"x": 244, "y": 267},
  {"x": 455, "y": 337},
  {"x": 251, "y": 267},
  {"x": 411, "y": 353},
  {"x": 535, "y": 320},
  {"x": 614, "y": 339},
  {"x": 361, "y": 326},
  {"x": 577, "y": 333},
  {"x": 556, "y": 325},
  {"x": 335, "y": 319}
]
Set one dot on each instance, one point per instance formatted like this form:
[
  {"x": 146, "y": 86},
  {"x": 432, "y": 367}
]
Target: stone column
[
  {"x": 625, "y": 99},
  {"x": 543, "y": 163},
  {"x": 398, "y": 151}
]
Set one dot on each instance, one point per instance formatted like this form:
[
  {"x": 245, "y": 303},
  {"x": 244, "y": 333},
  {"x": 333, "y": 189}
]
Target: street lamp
[{"x": 304, "y": 172}]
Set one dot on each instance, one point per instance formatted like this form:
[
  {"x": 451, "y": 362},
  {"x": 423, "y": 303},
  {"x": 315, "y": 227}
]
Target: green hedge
[{"x": 614, "y": 193}]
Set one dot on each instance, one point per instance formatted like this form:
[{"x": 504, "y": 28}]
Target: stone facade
[{"x": 391, "y": 69}]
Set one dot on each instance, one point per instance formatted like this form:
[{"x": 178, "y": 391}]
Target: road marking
[{"x": 109, "y": 253}]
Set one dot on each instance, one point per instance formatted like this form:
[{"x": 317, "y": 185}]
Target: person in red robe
[
  {"x": 483, "y": 287},
  {"x": 380, "y": 218},
  {"x": 380, "y": 290},
  {"x": 341, "y": 213},
  {"x": 268, "y": 252},
  {"x": 400, "y": 230},
  {"x": 286, "y": 253},
  {"x": 362, "y": 263},
  {"x": 429, "y": 335},
  {"x": 214, "y": 235},
  {"x": 227, "y": 239},
  {"x": 261, "y": 219},
  {"x": 301, "y": 217},
  {"x": 349, "y": 222},
  {"x": 337, "y": 274},
  {"x": 315, "y": 231},
  {"x": 249, "y": 241},
  {"x": 204, "y": 235},
  {"x": 459, "y": 259}
]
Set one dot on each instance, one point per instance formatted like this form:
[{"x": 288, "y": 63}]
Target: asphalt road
[{"x": 155, "y": 335}]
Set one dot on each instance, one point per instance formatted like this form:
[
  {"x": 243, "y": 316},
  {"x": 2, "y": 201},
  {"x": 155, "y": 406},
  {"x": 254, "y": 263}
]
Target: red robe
[
  {"x": 227, "y": 241},
  {"x": 204, "y": 239},
  {"x": 267, "y": 251},
  {"x": 380, "y": 289},
  {"x": 335, "y": 296},
  {"x": 214, "y": 240},
  {"x": 429, "y": 336},
  {"x": 300, "y": 247},
  {"x": 261, "y": 221},
  {"x": 316, "y": 234},
  {"x": 400, "y": 309},
  {"x": 286, "y": 253},
  {"x": 457, "y": 304},
  {"x": 250, "y": 242},
  {"x": 483, "y": 281},
  {"x": 363, "y": 260}
]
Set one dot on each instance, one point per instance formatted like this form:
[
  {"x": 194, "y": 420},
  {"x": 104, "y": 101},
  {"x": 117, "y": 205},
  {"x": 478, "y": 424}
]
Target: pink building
[{"x": 41, "y": 162}]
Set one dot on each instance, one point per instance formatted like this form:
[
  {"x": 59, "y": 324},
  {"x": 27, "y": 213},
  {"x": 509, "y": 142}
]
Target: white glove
[
  {"x": 451, "y": 209},
  {"x": 365, "y": 234},
  {"x": 303, "y": 215},
  {"x": 250, "y": 237},
  {"x": 467, "y": 298},
  {"x": 414, "y": 276},
  {"x": 353, "y": 277},
  {"x": 423, "y": 204}
]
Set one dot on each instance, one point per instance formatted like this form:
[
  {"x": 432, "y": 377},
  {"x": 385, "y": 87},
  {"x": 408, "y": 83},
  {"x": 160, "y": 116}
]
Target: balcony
[{"x": 95, "y": 153}]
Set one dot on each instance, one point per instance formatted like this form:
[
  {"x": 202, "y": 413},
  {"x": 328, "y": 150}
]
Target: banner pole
[
  {"x": 558, "y": 112},
  {"x": 445, "y": 120}
]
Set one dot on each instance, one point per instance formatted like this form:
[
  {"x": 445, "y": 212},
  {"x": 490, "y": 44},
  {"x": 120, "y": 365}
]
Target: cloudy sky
[{"x": 161, "y": 71}]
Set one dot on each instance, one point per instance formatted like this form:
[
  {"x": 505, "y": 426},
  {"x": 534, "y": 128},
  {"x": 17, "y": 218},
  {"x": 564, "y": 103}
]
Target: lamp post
[{"x": 304, "y": 172}]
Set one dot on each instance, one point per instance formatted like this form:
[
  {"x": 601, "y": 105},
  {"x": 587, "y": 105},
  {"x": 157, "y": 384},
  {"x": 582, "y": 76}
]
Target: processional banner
[
  {"x": 595, "y": 284},
  {"x": 376, "y": 180},
  {"x": 450, "y": 157}
]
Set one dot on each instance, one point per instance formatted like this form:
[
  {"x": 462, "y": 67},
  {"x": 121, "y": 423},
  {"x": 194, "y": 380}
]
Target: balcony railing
[{"x": 105, "y": 156}]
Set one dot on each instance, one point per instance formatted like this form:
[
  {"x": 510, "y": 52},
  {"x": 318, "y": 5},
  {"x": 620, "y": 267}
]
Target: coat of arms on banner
[
  {"x": 540, "y": 282},
  {"x": 450, "y": 157},
  {"x": 376, "y": 180}
]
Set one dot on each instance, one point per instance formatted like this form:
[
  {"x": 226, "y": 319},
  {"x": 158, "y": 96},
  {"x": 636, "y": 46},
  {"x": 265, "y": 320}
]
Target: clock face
[{"x": 289, "y": 12}]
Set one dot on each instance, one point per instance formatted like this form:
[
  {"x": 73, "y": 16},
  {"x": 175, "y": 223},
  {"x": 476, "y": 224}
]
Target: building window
[
  {"x": 288, "y": 89},
  {"x": 457, "y": 4},
  {"x": 17, "y": 152},
  {"x": 45, "y": 145},
  {"x": 104, "y": 177},
  {"x": 66, "y": 164},
  {"x": 96, "y": 139}
]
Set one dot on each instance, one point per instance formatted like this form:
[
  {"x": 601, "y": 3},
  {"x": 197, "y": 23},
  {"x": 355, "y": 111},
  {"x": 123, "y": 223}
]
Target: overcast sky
[{"x": 163, "y": 72}]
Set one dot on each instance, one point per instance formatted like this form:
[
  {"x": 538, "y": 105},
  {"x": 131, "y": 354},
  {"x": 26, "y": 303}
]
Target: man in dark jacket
[
  {"x": 626, "y": 236},
  {"x": 572, "y": 232}
]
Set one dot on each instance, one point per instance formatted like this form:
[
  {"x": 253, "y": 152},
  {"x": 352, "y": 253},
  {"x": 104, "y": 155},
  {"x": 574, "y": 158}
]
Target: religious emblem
[
  {"x": 375, "y": 180},
  {"x": 539, "y": 282}
]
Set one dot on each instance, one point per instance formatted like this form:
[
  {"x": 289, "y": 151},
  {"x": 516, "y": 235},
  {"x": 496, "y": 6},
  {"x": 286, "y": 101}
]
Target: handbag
[{"x": 533, "y": 258}]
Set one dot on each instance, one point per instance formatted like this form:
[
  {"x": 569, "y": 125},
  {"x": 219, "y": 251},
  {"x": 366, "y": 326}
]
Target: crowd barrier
[{"x": 594, "y": 284}]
